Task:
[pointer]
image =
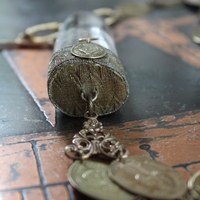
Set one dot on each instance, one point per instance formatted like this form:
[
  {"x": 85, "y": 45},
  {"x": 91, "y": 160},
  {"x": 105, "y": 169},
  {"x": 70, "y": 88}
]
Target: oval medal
[
  {"x": 91, "y": 178},
  {"x": 147, "y": 177},
  {"x": 88, "y": 50}
]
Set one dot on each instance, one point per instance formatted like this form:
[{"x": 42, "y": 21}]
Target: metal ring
[
  {"x": 93, "y": 99},
  {"x": 86, "y": 115},
  {"x": 31, "y": 32}
]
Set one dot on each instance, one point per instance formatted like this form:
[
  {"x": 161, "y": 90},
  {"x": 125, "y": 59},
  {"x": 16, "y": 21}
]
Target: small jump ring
[
  {"x": 93, "y": 99},
  {"x": 92, "y": 115}
]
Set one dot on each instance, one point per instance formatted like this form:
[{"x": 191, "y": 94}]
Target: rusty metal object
[{"x": 70, "y": 75}]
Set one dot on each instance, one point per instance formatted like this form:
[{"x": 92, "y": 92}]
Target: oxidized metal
[
  {"x": 93, "y": 139},
  {"x": 88, "y": 50},
  {"x": 148, "y": 178},
  {"x": 91, "y": 179}
]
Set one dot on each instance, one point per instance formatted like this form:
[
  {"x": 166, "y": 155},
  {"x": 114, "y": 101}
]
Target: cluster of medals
[{"x": 122, "y": 177}]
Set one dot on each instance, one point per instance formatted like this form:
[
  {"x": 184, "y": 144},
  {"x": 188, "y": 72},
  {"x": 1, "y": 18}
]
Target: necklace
[
  {"x": 93, "y": 139},
  {"x": 139, "y": 177}
]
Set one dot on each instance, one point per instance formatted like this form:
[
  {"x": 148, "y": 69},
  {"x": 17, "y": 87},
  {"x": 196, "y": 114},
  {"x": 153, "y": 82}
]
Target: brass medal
[
  {"x": 91, "y": 178},
  {"x": 88, "y": 50},
  {"x": 148, "y": 178}
]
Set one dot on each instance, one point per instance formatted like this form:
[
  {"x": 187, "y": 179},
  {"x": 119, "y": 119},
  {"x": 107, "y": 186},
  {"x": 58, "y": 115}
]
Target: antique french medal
[
  {"x": 91, "y": 178},
  {"x": 86, "y": 78},
  {"x": 148, "y": 178}
]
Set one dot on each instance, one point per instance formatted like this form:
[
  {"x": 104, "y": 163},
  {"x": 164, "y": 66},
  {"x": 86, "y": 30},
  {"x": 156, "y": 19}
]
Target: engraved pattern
[
  {"x": 68, "y": 76},
  {"x": 93, "y": 139},
  {"x": 111, "y": 59},
  {"x": 88, "y": 50},
  {"x": 148, "y": 178},
  {"x": 91, "y": 178}
]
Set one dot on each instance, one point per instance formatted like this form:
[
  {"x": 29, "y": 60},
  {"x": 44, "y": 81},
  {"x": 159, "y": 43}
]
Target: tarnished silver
[{"x": 93, "y": 139}]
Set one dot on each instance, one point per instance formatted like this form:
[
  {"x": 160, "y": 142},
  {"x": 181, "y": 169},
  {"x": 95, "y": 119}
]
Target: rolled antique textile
[{"x": 85, "y": 64}]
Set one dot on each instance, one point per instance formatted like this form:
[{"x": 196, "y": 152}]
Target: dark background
[{"x": 160, "y": 84}]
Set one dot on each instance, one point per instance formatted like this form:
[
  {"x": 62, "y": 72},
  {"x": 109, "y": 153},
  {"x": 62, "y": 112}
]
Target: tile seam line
[
  {"x": 40, "y": 140},
  {"x": 35, "y": 187},
  {"x": 40, "y": 169},
  {"x": 71, "y": 131}
]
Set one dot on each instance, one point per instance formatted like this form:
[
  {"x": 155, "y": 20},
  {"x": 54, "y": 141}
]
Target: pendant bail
[{"x": 90, "y": 107}]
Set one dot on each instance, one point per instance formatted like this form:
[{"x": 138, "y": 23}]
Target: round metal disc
[
  {"x": 194, "y": 181},
  {"x": 148, "y": 178},
  {"x": 88, "y": 50},
  {"x": 91, "y": 179}
]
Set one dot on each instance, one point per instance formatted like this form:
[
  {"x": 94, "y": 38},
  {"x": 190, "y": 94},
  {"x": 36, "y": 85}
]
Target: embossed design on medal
[
  {"x": 148, "y": 178},
  {"x": 91, "y": 178},
  {"x": 88, "y": 50}
]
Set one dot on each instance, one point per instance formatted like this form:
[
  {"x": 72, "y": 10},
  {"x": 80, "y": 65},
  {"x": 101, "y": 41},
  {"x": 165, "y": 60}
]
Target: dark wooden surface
[{"x": 160, "y": 120}]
